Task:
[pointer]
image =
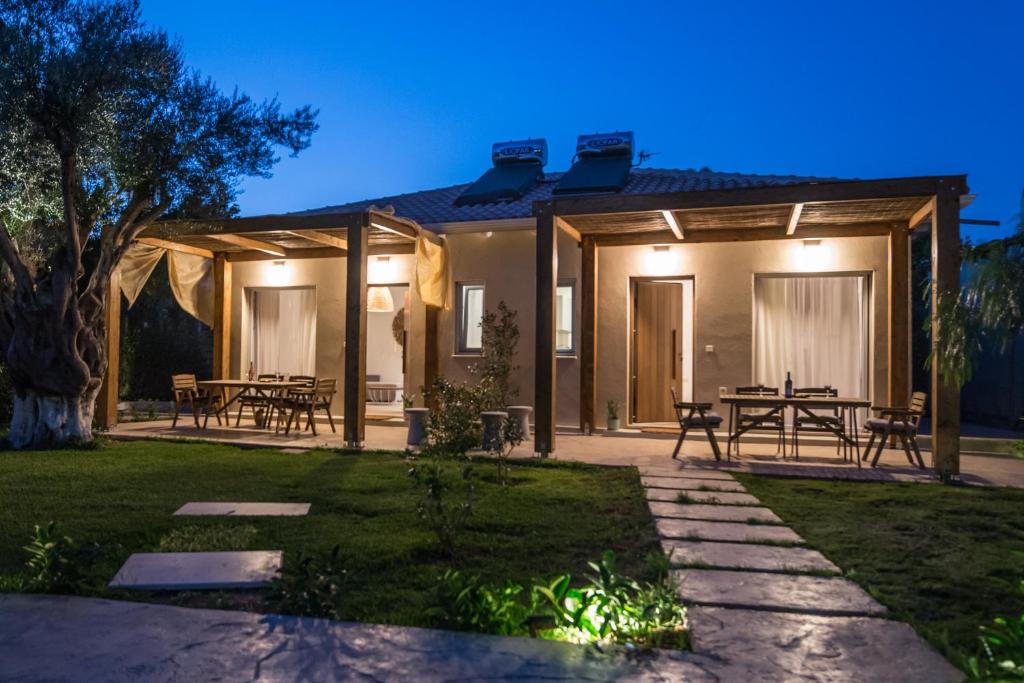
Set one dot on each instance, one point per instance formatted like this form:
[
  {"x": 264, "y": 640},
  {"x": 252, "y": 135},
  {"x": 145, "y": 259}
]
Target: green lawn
[
  {"x": 944, "y": 559},
  {"x": 552, "y": 519}
]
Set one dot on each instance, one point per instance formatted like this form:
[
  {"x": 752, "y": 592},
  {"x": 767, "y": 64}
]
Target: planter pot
[
  {"x": 613, "y": 424},
  {"x": 416, "y": 418},
  {"x": 492, "y": 420},
  {"x": 522, "y": 414}
]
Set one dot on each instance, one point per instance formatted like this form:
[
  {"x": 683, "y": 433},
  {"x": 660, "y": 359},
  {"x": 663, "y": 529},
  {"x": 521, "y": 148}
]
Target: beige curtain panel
[
  {"x": 432, "y": 273},
  {"x": 191, "y": 278}
]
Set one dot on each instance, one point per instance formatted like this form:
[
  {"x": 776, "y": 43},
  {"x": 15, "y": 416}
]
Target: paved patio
[{"x": 621, "y": 448}]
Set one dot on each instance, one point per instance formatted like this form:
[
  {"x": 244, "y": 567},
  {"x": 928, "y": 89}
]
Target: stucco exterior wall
[{"x": 723, "y": 276}]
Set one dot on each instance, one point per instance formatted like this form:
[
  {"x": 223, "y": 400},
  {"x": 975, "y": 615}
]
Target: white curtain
[
  {"x": 283, "y": 331},
  {"x": 815, "y": 328}
]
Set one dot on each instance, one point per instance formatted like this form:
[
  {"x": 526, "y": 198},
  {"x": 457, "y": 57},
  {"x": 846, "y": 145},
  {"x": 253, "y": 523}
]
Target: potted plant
[{"x": 613, "y": 416}]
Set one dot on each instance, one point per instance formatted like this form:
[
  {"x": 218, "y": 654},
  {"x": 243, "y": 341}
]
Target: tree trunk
[{"x": 48, "y": 421}]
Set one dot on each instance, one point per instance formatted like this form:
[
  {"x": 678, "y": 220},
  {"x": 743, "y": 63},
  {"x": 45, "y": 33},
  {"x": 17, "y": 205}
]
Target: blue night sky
[{"x": 411, "y": 95}]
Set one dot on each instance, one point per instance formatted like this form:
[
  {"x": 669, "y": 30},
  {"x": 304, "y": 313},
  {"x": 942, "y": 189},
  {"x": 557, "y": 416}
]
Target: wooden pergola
[
  {"x": 353, "y": 236},
  {"x": 892, "y": 208}
]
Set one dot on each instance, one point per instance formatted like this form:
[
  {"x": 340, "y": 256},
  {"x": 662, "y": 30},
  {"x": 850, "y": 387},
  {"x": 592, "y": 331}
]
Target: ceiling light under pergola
[{"x": 378, "y": 300}]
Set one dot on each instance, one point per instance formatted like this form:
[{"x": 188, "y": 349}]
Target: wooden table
[
  {"x": 774, "y": 405},
  {"x": 243, "y": 387}
]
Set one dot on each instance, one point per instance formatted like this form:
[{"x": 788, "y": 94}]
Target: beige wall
[
  {"x": 506, "y": 263},
  {"x": 723, "y": 308},
  {"x": 327, "y": 275}
]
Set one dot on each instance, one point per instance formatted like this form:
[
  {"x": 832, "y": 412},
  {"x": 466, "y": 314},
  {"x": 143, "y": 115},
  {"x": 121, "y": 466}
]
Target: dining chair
[
  {"x": 821, "y": 422},
  {"x": 308, "y": 401},
  {"x": 899, "y": 422},
  {"x": 763, "y": 420},
  {"x": 186, "y": 391},
  {"x": 257, "y": 399},
  {"x": 697, "y": 415}
]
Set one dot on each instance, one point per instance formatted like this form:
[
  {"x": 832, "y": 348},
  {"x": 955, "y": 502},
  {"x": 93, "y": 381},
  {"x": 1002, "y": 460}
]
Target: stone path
[
  {"x": 198, "y": 571},
  {"x": 243, "y": 510},
  {"x": 765, "y": 606}
]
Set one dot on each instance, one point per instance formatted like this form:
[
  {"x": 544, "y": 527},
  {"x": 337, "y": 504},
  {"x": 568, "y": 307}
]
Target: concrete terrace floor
[{"x": 619, "y": 448}]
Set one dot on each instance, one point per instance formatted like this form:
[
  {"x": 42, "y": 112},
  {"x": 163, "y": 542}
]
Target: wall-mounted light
[
  {"x": 381, "y": 271},
  {"x": 278, "y": 273},
  {"x": 660, "y": 260},
  {"x": 812, "y": 255}
]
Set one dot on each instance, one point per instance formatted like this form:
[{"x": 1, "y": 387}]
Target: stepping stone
[
  {"x": 771, "y": 646},
  {"x": 686, "y": 473},
  {"x": 194, "y": 571},
  {"x": 678, "y": 483},
  {"x": 714, "y": 513},
  {"x": 779, "y": 592},
  {"x": 243, "y": 509},
  {"x": 689, "y": 529},
  {"x": 747, "y": 556},
  {"x": 721, "y": 497}
]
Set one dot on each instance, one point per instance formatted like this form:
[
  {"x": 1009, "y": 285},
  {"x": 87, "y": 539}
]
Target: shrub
[
  {"x": 453, "y": 425},
  {"x": 510, "y": 436},
  {"x": 1018, "y": 448},
  {"x": 56, "y": 563},
  {"x": 6, "y": 397},
  {"x": 464, "y": 603},
  {"x": 215, "y": 537},
  {"x": 448, "y": 487},
  {"x": 1002, "y": 651},
  {"x": 313, "y": 585},
  {"x": 499, "y": 337}
]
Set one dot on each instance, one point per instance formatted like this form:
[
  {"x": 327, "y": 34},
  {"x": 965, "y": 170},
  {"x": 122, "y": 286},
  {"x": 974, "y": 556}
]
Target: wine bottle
[{"x": 789, "y": 385}]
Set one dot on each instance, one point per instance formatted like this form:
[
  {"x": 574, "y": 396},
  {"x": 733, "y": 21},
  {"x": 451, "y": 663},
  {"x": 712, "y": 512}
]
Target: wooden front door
[{"x": 657, "y": 349}]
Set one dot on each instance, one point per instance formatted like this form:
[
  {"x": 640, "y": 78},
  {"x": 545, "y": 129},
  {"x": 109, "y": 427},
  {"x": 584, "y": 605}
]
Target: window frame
[
  {"x": 574, "y": 328},
  {"x": 461, "y": 330}
]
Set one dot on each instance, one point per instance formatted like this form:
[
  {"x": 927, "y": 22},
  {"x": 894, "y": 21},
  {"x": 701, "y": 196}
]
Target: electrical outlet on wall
[
  {"x": 710, "y": 348},
  {"x": 722, "y": 391}
]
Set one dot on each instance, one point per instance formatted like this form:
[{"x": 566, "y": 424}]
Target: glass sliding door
[
  {"x": 814, "y": 327},
  {"x": 282, "y": 331}
]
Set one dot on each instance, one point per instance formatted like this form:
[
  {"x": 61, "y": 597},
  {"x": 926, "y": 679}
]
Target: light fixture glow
[
  {"x": 278, "y": 273},
  {"x": 812, "y": 255},
  {"x": 381, "y": 271},
  {"x": 660, "y": 260},
  {"x": 379, "y": 300}
]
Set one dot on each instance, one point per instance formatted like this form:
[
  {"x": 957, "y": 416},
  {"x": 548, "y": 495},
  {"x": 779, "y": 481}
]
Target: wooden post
[
  {"x": 588, "y": 335},
  {"x": 544, "y": 347},
  {"x": 945, "y": 282},
  {"x": 106, "y": 402},
  {"x": 355, "y": 334},
  {"x": 221, "y": 316},
  {"x": 899, "y": 318},
  {"x": 431, "y": 358}
]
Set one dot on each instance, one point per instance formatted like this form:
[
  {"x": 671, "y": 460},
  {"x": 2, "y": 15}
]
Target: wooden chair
[
  {"x": 187, "y": 392},
  {"x": 775, "y": 422},
  {"x": 900, "y": 422},
  {"x": 806, "y": 423},
  {"x": 697, "y": 415},
  {"x": 309, "y": 401},
  {"x": 305, "y": 380},
  {"x": 258, "y": 399}
]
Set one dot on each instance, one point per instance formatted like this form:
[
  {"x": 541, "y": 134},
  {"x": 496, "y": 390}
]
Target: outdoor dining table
[
  {"x": 777, "y": 404},
  {"x": 243, "y": 387}
]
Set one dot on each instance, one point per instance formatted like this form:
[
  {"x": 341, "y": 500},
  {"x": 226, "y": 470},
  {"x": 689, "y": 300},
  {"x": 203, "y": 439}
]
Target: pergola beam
[
  {"x": 250, "y": 243},
  {"x": 568, "y": 230},
  {"x": 355, "y": 336},
  {"x": 794, "y": 218},
  {"x": 713, "y": 235},
  {"x": 221, "y": 317},
  {"x": 922, "y": 214},
  {"x": 320, "y": 252},
  {"x": 321, "y": 238},
  {"x": 673, "y": 224},
  {"x": 175, "y": 246},
  {"x": 588, "y": 335}
]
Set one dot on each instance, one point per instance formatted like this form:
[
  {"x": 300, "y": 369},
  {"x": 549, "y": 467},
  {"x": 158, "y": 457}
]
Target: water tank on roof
[
  {"x": 605, "y": 144},
  {"x": 517, "y": 151}
]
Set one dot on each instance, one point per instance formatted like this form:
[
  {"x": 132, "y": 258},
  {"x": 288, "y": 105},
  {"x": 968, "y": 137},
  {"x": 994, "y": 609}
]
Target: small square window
[
  {"x": 469, "y": 311},
  {"x": 565, "y": 318}
]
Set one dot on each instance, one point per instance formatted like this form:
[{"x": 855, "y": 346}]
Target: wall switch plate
[
  {"x": 722, "y": 391},
  {"x": 710, "y": 348}
]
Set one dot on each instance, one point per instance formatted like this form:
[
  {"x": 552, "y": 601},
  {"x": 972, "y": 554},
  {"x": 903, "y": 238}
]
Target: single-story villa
[{"x": 628, "y": 282}]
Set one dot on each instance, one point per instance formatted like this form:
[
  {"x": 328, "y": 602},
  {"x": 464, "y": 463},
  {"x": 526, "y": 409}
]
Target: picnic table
[
  {"x": 244, "y": 387},
  {"x": 777, "y": 404}
]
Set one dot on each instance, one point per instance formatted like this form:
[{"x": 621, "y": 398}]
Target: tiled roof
[{"x": 437, "y": 206}]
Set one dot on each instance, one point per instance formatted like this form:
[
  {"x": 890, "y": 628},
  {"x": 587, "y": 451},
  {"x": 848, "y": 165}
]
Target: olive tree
[{"x": 103, "y": 131}]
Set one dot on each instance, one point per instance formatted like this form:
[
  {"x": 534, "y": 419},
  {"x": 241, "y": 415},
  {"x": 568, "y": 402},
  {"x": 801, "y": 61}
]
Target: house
[{"x": 628, "y": 281}]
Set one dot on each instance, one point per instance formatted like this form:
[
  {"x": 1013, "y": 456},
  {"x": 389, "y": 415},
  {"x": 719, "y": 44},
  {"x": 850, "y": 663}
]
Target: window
[
  {"x": 282, "y": 331},
  {"x": 469, "y": 311},
  {"x": 565, "y": 318}
]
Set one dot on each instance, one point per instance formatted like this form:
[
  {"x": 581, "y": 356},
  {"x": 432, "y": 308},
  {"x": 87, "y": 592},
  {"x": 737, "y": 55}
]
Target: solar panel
[
  {"x": 507, "y": 182},
  {"x": 595, "y": 174}
]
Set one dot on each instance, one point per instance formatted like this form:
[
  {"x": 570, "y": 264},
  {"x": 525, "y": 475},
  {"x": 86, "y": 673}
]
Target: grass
[
  {"x": 944, "y": 559},
  {"x": 554, "y": 518}
]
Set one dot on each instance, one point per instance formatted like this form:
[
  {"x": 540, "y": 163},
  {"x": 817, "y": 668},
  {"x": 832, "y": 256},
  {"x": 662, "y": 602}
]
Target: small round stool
[
  {"x": 522, "y": 414},
  {"x": 493, "y": 420}
]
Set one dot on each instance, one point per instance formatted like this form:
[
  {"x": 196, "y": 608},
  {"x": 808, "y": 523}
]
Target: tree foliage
[{"x": 102, "y": 125}]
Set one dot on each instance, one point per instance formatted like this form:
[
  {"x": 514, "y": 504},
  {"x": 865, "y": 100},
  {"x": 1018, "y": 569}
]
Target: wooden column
[
  {"x": 946, "y": 282},
  {"x": 588, "y": 335},
  {"x": 355, "y": 334},
  {"x": 221, "y": 316},
  {"x": 106, "y": 402},
  {"x": 899, "y": 318},
  {"x": 544, "y": 347},
  {"x": 431, "y": 357}
]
